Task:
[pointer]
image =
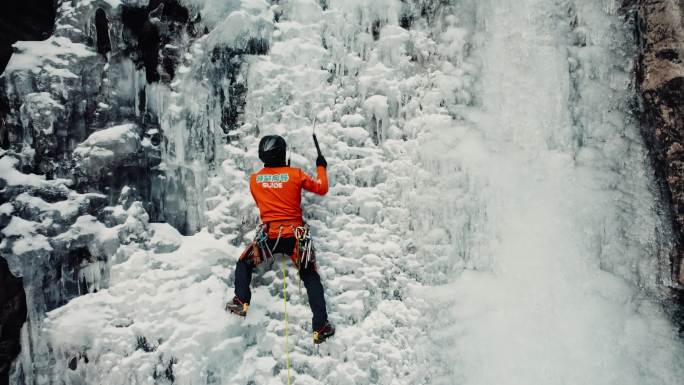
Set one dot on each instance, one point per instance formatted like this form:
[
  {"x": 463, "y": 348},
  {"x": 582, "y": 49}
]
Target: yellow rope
[{"x": 287, "y": 353}]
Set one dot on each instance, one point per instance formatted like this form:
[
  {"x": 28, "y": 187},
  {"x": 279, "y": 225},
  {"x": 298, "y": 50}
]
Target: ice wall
[
  {"x": 491, "y": 198},
  {"x": 362, "y": 76}
]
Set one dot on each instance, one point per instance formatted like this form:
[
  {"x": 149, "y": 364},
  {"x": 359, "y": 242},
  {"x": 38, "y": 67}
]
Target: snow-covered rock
[
  {"x": 165, "y": 238},
  {"x": 24, "y": 237},
  {"x": 56, "y": 50},
  {"x": 103, "y": 151}
]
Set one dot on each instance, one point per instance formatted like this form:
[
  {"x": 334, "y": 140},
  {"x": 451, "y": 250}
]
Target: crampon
[
  {"x": 237, "y": 307},
  {"x": 327, "y": 331}
]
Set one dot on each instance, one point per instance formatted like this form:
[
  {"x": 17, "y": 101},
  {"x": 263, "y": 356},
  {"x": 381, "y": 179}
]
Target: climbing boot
[
  {"x": 319, "y": 336},
  {"x": 237, "y": 307}
]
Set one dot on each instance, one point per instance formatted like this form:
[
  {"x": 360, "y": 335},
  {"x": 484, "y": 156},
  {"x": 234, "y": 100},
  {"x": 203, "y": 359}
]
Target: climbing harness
[
  {"x": 302, "y": 255},
  {"x": 287, "y": 352},
  {"x": 258, "y": 249}
]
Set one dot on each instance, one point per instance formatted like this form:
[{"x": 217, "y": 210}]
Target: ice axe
[
  {"x": 320, "y": 160},
  {"x": 313, "y": 130}
]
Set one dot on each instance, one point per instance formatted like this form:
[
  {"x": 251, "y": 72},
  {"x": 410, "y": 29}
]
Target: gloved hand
[{"x": 320, "y": 161}]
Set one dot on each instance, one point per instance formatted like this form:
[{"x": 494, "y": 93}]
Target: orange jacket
[{"x": 277, "y": 192}]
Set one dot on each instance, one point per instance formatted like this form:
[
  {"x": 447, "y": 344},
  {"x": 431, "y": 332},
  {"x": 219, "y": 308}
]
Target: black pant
[{"x": 309, "y": 275}]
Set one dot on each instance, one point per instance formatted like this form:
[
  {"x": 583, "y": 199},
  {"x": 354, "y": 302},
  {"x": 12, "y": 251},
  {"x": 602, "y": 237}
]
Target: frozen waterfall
[
  {"x": 560, "y": 290},
  {"x": 493, "y": 216}
]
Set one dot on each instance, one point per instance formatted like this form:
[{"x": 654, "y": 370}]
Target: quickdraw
[
  {"x": 260, "y": 239},
  {"x": 304, "y": 247}
]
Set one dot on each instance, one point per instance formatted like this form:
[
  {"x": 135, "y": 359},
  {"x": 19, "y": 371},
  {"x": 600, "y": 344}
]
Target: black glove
[{"x": 320, "y": 161}]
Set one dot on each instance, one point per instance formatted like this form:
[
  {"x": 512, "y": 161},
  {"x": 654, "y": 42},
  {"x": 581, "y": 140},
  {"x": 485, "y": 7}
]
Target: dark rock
[
  {"x": 136, "y": 19},
  {"x": 24, "y": 20},
  {"x": 12, "y": 317},
  {"x": 172, "y": 10},
  {"x": 153, "y": 27},
  {"x": 406, "y": 20},
  {"x": 144, "y": 345},
  {"x": 96, "y": 203},
  {"x": 375, "y": 29},
  {"x": 226, "y": 63},
  {"x": 170, "y": 60},
  {"x": 102, "y": 25},
  {"x": 660, "y": 77},
  {"x": 73, "y": 363}
]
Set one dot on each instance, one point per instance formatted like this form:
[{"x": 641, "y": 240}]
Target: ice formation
[{"x": 492, "y": 216}]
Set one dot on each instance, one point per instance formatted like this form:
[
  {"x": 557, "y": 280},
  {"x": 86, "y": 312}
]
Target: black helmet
[{"x": 272, "y": 150}]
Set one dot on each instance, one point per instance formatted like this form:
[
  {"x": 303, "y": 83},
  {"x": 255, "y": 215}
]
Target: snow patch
[
  {"x": 165, "y": 238},
  {"x": 57, "y": 50},
  {"x": 13, "y": 177},
  {"x": 25, "y": 236},
  {"x": 239, "y": 27},
  {"x": 303, "y": 11}
]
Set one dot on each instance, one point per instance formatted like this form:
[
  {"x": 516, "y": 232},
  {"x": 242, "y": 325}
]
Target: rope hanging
[{"x": 287, "y": 353}]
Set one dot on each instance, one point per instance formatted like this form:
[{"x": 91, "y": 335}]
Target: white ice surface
[
  {"x": 27, "y": 234},
  {"x": 558, "y": 290},
  {"x": 497, "y": 227},
  {"x": 102, "y": 138},
  {"x": 55, "y": 49},
  {"x": 165, "y": 238},
  {"x": 13, "y": 177}
]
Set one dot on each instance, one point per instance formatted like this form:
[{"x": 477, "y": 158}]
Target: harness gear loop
[
  {"x": 280, "y": 232},
  {"x": 287, "y": 353},
  {"x": 265, "y": 242}
]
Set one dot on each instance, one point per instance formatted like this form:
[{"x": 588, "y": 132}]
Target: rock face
[
  {"x": 12, "y": 316},
  {"x": 24, "y": 20},
  {"x": 81, "y": 158},
  {"x": 660, "y": 76},
  {"x": 104, "y": 128}
]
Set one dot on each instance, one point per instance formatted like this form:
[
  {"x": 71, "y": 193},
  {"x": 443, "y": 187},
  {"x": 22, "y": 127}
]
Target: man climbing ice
[{"x": 277, "y": 191}]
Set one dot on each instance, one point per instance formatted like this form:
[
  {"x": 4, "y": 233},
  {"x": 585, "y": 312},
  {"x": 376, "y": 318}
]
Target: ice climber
[{"x": 277, "y": 191}]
